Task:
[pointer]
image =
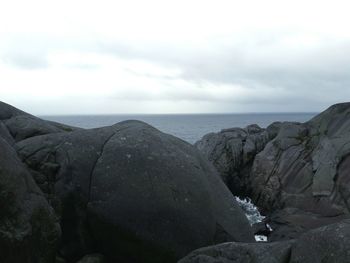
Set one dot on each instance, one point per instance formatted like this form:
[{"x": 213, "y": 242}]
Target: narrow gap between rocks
[{"x": 254, "y": 217}]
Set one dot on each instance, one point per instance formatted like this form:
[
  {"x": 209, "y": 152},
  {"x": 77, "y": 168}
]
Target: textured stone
[
  {"x": 93, "y": 258},
  {"x": 327, "y": 244},
  {"x": 29, "y": 230},
  {"x": 21, "y": 125},
  {"x": 128, "y": 188},
  {"x": 232, "y": 152},
  {"x": 278, "y": 252},
  {"x": 299, "y": 176}
]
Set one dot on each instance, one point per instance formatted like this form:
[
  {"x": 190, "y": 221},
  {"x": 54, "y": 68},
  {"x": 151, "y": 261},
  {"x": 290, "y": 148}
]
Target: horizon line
[{"x": 204, "y": 113}]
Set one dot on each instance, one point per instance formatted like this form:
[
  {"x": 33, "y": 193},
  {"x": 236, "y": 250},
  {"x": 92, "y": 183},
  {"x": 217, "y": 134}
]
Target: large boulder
[
  {"x": 300, "y": 175},
  {"x": 327, "y": 244},
  {"x": 132, "y": 193},
  {"x": 232, "y": 152},
  {"x": 29, "y": 229}
]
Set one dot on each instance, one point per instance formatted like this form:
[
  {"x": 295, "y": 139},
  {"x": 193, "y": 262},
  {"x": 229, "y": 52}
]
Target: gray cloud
[
  {"x": 310, "y": 78},
  {"x": 303, "y": 78},
  {"x": 26, "y": 61}
]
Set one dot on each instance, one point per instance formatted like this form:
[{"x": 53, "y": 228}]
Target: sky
[{"x": 183, "y": 56}]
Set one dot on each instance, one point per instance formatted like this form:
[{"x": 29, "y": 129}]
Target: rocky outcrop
[
  {"x": 300, "y": 177},
  {"x": 232, "y": 152},
  {"x": 29, "y": 229},
  {"x": 130, "y": 188},
  {"x": 21, "y": 125},
  {"x": 127, "y": 191},
  {"x": 134, "y": 194},
  {"x": 327, "y": 244}
]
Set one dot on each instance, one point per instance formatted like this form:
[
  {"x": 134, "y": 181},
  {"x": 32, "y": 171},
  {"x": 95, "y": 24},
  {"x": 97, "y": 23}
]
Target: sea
[{"x": 189, "y": 127}]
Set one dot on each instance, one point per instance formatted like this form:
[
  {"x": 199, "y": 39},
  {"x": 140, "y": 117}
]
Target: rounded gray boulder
[{"x": 133, "y": 193}]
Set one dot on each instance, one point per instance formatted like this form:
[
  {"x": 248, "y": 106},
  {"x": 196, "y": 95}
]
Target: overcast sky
[{"x": 179, "y": 56}]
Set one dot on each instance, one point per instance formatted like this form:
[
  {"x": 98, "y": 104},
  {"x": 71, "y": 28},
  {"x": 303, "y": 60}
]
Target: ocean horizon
[{"x": 189, "y": 127}]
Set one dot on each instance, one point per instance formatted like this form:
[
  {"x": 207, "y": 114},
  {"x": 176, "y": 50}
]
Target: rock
[
  {"x": 29, "y": 230},
  {"x": 261, "y": 228},
  {"x": 132, "y": 193},
  {"x": 277, "y": 252},
  {"x": 298, "y": 175},
  {"x": 327, "y": 244},
  {"x": 232, "y": 151},
  {"x": 289, "y": 223},
  {"x": 5, "y": 134},
  {"x": 93, "y": 258},
  {"x": 7, "y": 111},
  {"x": 300, "y": 178},
  {"x": 60, "y": 260},
  {"x": 21, "y": 125}
]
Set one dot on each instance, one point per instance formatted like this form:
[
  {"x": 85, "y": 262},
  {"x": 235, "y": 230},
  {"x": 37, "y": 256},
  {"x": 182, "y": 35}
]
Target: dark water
[{"x": 189, "y": 127}]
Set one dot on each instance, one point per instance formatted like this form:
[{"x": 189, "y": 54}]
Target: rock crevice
[{"x": 296, "y": 174}]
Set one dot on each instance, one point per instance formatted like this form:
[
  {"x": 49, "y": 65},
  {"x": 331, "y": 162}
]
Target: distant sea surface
[{"x": 189, "y": 127}]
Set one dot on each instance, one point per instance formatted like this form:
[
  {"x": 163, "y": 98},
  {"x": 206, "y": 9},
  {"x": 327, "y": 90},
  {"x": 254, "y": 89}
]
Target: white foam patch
[
  {"x": 250, "y": 210},
  {"x": 269, "y": 227},
  {"x": 253, "y": 215},
  {"x": 260, "y": 238}
]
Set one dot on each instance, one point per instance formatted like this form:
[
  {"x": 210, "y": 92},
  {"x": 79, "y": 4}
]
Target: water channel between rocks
[{"x": 253, "y": 215}]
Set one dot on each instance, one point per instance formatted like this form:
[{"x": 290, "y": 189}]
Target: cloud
[
  {"x": 25, "y": 61},
  {"x": 183, "y": 56},
  {"x": 314, "y": 74}
]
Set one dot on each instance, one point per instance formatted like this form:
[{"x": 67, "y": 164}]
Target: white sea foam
[
  {"x": 253, "y": 215},
  {"x": 250, "y": 210},
  {"x": 260, "y": 238}
]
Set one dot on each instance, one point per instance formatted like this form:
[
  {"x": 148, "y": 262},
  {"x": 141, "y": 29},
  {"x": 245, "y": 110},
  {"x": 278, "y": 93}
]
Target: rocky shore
[
  {"x": 297, "y": 173},
  {"x": 130, "y": 193}
]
